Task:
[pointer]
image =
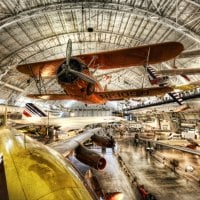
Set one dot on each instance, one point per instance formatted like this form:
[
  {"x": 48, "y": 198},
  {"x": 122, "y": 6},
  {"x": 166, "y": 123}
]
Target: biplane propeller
[
  {"x": 67, "y": 70},
  {"x": 78, "y": 82}
]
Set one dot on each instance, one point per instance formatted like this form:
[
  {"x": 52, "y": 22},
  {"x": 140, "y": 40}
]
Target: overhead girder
[
  {"x": 12, "y": 87},
  {"x": 190, "y": 53},
  {"x": 127, "y": 8},
  {"x": 194, "y": 2}
]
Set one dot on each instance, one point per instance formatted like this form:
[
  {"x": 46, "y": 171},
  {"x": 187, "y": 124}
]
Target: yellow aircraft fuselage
[{"x": 34, "y": 171}]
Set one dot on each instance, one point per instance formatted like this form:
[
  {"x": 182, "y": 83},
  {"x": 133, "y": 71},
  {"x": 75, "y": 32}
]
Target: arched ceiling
[{"x": 36, "y": 30}]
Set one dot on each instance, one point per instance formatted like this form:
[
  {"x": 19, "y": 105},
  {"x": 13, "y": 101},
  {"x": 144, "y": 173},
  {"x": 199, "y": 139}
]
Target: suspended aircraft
[
  {"x": 156, "y": 79},
  {"x": 78, "y": 83}
]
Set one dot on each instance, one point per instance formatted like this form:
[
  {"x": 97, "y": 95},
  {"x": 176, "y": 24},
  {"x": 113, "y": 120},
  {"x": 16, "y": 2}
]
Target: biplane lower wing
[
  {"x": 51, "y": 96},
  {"x": 102, "y": 97},
  {"x": 142, "y": 92}
]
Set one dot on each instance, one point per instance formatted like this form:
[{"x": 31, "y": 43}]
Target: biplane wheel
[{"x": 90, "y": 89}]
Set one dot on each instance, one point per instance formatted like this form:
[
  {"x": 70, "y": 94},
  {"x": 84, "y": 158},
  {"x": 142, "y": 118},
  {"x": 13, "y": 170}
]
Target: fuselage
[
  {"x": 34, "y": 171},
  {"x": 78, "y": 88}
]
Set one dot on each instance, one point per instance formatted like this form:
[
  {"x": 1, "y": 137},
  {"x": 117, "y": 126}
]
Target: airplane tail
[
  {"x": 32, "y": 110},
  {"x": 152, "y": 74},
  {"x": 176, "y": 97},
  {"x": 156, "y": 79}
]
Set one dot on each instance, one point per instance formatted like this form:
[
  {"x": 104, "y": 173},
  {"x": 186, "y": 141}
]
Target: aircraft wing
[
  {"x": 135, "y": 56},
  {"x": 43, "y": 69},
  {"x": 65, "y": 147},
  {"x": 189, "y": 86},
  {"x": 52, "y": 96},
  {"x": 110, "y": 95},
  {"x": 142, "y": 92},
  {"x": 180, "y": 148},
  {"x": 173, "y": 72}
]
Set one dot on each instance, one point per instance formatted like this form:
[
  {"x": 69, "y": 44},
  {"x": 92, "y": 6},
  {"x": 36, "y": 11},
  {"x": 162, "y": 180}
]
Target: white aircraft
[{"x": 33, "y": 115}]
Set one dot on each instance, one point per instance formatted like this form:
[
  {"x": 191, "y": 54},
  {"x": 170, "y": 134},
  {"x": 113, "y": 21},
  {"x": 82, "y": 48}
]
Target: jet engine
[
  {"x": 90, "y": 157},
  {"x": 69, "y": 77},
  {"x": 103, "y": 141}
]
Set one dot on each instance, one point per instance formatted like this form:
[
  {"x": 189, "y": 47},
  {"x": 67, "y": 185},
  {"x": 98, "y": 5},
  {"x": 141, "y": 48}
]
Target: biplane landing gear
[{"x": 90, "y": 89}]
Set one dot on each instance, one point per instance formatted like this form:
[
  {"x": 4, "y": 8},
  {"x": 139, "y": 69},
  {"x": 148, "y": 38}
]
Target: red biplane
[{"x": 78, "y": 82}]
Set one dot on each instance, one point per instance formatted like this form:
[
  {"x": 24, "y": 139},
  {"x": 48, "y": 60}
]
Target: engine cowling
[
  {"x": 103, "y": 141},
  {"x": 70, "y": 77},
  {"x": 90, "y": 157}
]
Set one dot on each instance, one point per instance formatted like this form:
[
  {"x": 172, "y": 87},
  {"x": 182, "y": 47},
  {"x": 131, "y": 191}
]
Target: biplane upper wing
[
  {"x": 135, "y": 56},
  {"x": 125, "y": 94},
  {"x": 43, "y": 69}
]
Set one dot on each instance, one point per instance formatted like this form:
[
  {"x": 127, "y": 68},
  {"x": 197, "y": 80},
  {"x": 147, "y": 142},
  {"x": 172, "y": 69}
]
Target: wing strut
[
  {"x": 145, "y": 67},
  {"x": 39, "y": 82}
]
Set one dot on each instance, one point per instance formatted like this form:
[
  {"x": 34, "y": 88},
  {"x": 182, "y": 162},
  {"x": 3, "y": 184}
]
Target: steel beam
[
  {"x": 143, "y": 13},
  {"x": 11, "y": 86}
]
